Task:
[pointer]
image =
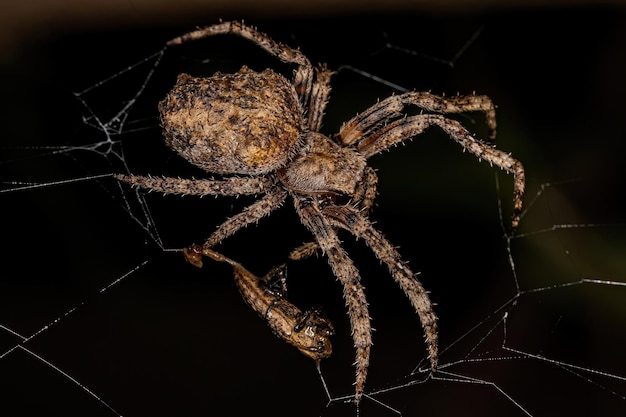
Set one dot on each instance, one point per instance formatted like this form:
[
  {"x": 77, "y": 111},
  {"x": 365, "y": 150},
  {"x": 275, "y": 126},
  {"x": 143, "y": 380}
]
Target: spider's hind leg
[
  {"x": 304, "y": 74},
  {"x": 281, "y": 51}
]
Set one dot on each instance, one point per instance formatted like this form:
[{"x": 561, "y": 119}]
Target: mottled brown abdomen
[{"x": 242, "y": 123}]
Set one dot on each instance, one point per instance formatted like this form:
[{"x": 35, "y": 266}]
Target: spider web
[{"x": 99, "y": 318}]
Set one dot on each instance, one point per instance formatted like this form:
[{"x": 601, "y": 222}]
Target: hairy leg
[
  {"x": 365, "y": 123},
  {"x": 319, "y": 98},
  {"x": 409, "y": 127},
  {"x": 303, "y": 77},
  {"x": 229, "y": 186},
  {"x": 252, "y": 213},
  {"x": 353, "y": 292},
  {"x": 351, "y": 220}
]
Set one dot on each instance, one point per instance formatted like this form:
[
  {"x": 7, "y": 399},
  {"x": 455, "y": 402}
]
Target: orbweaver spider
[{"x": 260, "y": 131}]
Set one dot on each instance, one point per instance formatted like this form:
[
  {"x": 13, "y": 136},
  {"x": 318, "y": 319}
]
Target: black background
[{"x": 173, "y": 340}]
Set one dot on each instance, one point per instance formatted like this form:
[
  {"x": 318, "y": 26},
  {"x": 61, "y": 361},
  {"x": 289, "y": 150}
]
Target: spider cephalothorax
[{"x": 266, "y": 129}]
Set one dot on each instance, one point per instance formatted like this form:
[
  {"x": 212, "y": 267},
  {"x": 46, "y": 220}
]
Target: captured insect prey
[
  {"x": 259, "y": 131},
  {"x": 309, "y": 331}
]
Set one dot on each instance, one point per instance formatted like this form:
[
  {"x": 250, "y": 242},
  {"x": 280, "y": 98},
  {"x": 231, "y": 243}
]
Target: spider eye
[{"x": 242, "y": 123}]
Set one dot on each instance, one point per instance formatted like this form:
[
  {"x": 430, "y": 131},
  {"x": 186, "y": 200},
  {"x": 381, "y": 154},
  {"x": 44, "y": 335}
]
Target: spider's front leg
[
  {"x": 367, "y": 122},
  {"x": 353, "y": 293},
  {"x": 409, "y": 127}
]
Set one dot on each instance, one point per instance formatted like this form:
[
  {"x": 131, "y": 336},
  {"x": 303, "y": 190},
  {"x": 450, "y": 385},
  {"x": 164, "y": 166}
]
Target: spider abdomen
[{"x": 242, "y": 123}]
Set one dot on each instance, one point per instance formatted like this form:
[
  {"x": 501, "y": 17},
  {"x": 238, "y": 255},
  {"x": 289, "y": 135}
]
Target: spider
[{"x": 260, "y": 132}]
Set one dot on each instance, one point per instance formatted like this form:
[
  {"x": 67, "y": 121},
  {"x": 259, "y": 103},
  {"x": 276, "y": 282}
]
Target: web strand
[{"x": 543, "y": 274}]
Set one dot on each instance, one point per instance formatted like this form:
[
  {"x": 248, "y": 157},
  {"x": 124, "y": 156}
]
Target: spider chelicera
[{"x": 260, "y": 132}]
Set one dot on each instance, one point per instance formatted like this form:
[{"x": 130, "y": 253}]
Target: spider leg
[
  {"x": 350, "y": 219},
  {"x": 363, "y": 124},
  {"x": 353, "y": 292},
  {"x": 281, "y": 51},
  {"x": 406, "y": 128},
  {"x": 254, "y": 212},
  {"x": 306, "y": 250},
  {"x": 303, "y": 76},
  {"x": 366, "y": 191},
  {"x": 319, "y": 98},
  {"x": 273, "y": 198},
  {"x": 227, "y": 186}
]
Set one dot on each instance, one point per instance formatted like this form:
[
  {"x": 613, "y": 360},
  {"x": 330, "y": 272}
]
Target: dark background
[{"x": 170, "y": 339}]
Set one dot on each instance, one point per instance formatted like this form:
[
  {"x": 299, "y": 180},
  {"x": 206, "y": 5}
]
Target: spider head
[{"x": 243, "y": 123}]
